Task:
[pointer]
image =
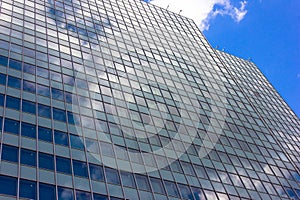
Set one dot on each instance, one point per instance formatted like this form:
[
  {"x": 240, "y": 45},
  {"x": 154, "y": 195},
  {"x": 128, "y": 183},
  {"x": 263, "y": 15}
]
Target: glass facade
[{"x": 119, "y": 99}]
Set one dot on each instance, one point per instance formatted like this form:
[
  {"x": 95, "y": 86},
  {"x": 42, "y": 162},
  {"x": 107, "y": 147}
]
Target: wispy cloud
[{"x": 203, "y": 11}]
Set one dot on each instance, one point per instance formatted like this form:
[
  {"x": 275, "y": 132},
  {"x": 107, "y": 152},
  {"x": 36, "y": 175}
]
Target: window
[
  {"x": 142, "y": 182},
  {"x": 100, "y": 197},
  {"x": 157, "y": 186},
  {"x": 28, "y": 157},
  {"x": 46, "y": 192},
  {"x": 171, "y": 189},
  {"x": 65, "y": 194},
  {"x": 45, "y": 134},
  {"x": 61, "y": 138},
  {"x": 76, "y": 142},
  {"x": 59, "y": 115},
  {"x": 46, "y": 161},
  {"x": 28, "y": 68},
  {"x": 27, "y": 189},
  {"x": 57, "y": 94},
  {"x": 29, "y": 107},
  {"x": 11, "y": 126},
  {"x": 3, "y": 61},
  {"x": 43, "y": 90},
  {"x": 63, "y": 165},
  {"x": 8, "y": 185},
  {"x": 80, "y": 168},
  {"x": 15, "y": 64},
  {"x": 28, "y": 130},
  {"x": 127, "y": 179},
  {"x": 1, "y": 100},
  {"x": 10, "y": 153},
  {"x": 112, "y": 176},
  {"x": 12, "y": 102},
  {"x": 29, "y": 86},
  {"x": 14, "y": 82},
  {"x": 2, "y": 79},
  {"x": 44, "y": 111},
  {"x": 80, "y": 195},
  {"x": 96, "y": 172}
]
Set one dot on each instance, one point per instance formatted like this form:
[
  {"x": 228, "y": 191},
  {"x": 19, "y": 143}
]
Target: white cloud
[{"x": 203, "y": 11}]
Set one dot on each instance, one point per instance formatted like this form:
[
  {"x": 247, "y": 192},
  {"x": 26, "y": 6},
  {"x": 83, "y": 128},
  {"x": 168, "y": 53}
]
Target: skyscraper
[{"x": 125, "y": 100}]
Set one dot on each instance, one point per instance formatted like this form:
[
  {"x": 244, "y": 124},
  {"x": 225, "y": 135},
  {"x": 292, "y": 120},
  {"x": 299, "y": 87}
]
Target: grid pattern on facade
[{"x": 74, "y": 73}]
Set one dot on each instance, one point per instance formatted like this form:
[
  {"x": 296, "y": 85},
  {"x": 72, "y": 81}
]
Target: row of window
[{"x": 29, "y": 190}]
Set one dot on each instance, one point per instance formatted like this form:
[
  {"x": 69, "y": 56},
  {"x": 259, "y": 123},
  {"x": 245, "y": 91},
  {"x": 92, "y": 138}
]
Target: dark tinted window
[
  {"x": 43, "y": 90},
  {"x": 80, "y": 195},
  {"x": 65, "y": 194},
  {"x": 59, "y": 115},
  {"x": 96, "y": 172},
  {"x": 46, "y": 192},
  {"x": 45, "y": 134},
  {"x": 28, "y": 157},
  {"x": 15, "y": 64},
  {"x": 29, "y": 107},
  {"x": 12, "y": 102},
  {"x": 14, "y": 82},
  {"x": 100, "y": 197},
  {"x": 2, "y": 79},
  {"x": 10, "y": 153},
  {"x": 28, "y": 130},
  {"x": 80, "y": 168},
  {"x": 61, "y": 138},
  {"x": 8, "y": 185},
  {"x": 3, "y": 60},
  {"x": 63, "y": 165},
  {"x": 46, "y": 161},
  {"x": 29, "y": 86},
  {"x": 1, "y": 100},
  {"x": 44, "y": 111},
  {"x": 29, "y": 68},
  {"x": 27, "y": 189},
  {"x": 11, "y": 126}
]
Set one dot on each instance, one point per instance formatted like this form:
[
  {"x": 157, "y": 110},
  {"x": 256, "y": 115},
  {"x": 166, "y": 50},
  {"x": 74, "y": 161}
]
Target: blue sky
[{"x": 266, "y": 31}]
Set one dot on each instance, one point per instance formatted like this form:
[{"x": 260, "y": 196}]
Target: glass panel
[
  {"x": 28, "y": 130},
  {"x": 2, "y": 79},
  {"x": 142, "y": 182},
  {"x": 127, "y": 179},
  {"x": 59, "y": 115},
  {"x": 80, "y": 195},
  {"x": 65, "y": 194},
  {"x": 100, "y": 197},
  {"x": 15, "y": 64},
  {"x": 63, "y": 165},
  {"x": 157, "y": 186},
  {"x": 8, "y": 185},
  {"x": 171, "y": 189},
  {"x": 96, "y": 172},
  {"x": 46, "y": 192},
  {"x": 61, "y": 138},
  {"x": 10, "y": 153},
  {"x": 80, "y": 168},
  {"x": 1, "y": 100},
  {"x": 185, "y": 192},
  {"x": 28, "y": 68},
  {"x": 3, "y": 61},
  {"x": 43, "y": 90},
  {"x": 12, "y": 102},
  {"x": 46, "y": 161},
  {"x": 57, "y": 94},
  {"x": 92, "y": 145},
  {"x": 112, "y": 176},
  {"x": 27, "y": 189},
  {"x": 28, "y": 157},
  {"x": 29, "y": 86},
  {"x": 28, "y": 106},
  {"x": 76, "y": 142},
  {"x": 14, "y": 82},
  {"x": 45, "y": 134},
  {"x": 11, "y": 126},
  {"x": 44, "y": 111}
]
